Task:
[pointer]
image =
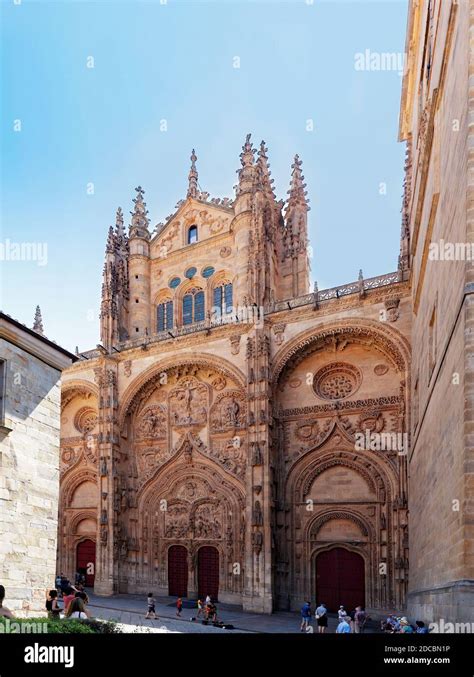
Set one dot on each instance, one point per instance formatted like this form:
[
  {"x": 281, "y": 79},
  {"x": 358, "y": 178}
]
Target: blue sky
[{"x": 175, "y": 62}]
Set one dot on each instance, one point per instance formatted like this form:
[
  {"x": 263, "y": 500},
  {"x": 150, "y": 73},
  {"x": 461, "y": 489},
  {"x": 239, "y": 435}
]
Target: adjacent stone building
[
  {"x": 438, "y": 214},
  {"x": 30, "y": 371},
  {"x": 236, "y": 434}
]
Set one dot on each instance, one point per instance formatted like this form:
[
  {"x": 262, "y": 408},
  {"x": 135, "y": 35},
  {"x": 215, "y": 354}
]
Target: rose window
[{"x": 336, "y": 381}]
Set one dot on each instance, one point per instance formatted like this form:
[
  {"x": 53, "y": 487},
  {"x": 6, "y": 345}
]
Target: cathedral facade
[{"x": 235, "y": 433}]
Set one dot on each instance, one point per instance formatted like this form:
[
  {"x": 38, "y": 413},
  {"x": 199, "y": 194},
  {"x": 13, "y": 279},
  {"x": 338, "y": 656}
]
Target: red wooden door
[
  {"x": 178, "y": 571},
  {"x": 208, "y": 572},
  {"x": 86, "y": 561},
  {"x": 340, "y": 579}
]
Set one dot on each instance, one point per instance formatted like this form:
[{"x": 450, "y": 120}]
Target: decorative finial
[
  {"x": 110, "y": 246},
  {"x": 263, "y": 168},
  {"x": 38, "y": 322},
  {"x": 119, "y": 230},
  {"x": 248, "y": 151},
  {"x": 193, "y": 190},
  {"x": 297, "y": 193},
  {"x": 139, "y": 225}
]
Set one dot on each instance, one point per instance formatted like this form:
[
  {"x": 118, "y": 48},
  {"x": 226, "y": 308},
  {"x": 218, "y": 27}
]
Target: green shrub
[{"x": 90, "y": 626}]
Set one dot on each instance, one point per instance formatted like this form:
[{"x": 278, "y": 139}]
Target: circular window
[
  {"x": 85, "y": 420},
  {"x": 207, "y": 272},
  {"x": 336, "y": 381},
  {"x": 190, "y": 273},
  {"x": 174, "y": 282}
]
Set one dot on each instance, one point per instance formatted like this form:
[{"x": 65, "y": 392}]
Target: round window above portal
[
  {"x": 190, "y": 273},
  {"x": 208, "y": 271},
  {"x": 174, "y": 282},
  {"x": 336, "y": 381}
]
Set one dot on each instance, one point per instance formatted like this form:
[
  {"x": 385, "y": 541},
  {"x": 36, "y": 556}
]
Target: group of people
[
  {"x": 355, "y": 621},
  {"x": 74, "y": 599},
  {"x": 400, "y": 624},
  {"x": 207, "y": 610},
  {"x": 74, "y": 603}
]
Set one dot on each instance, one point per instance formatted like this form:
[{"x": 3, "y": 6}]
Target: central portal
[{"x": 340, "y": 579}]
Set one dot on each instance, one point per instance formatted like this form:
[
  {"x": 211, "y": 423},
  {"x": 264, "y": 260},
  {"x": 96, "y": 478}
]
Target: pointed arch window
[
  {"x": 222, "y": 299},
  {"x": 192, "y": 234},
  {"x": 164, "y": 316},
  {"x": 193, "y": 306}
]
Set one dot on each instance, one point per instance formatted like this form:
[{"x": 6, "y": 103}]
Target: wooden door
[
  {"x": 208, "y": 572},
  {"x": 178, "y": 571},
  {"x": 340, "y": 579},
  {"x": 86, "y": 561}
]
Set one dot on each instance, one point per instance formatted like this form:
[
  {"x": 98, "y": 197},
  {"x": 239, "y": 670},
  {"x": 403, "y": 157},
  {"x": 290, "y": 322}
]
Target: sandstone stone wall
[
  {"x": 29, "y": 480},
  {"x": 434, "y": 124}
]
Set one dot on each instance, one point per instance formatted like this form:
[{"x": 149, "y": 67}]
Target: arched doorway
[
  {"x": 85, "y": 561},
  {"x": 340, "y": 579},
  {"x": 208, "y": 572},
  {"x": 178, "y": 571}
]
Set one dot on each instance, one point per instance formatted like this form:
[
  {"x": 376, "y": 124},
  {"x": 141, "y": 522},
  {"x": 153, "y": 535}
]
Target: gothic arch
[
  {"x": 386, "y": 340},
  {"x": 78, "y": 517},
  {"x": 170, "y": 475},
  {"x": 318, "y": 521},
  {"x": 373, "y": 468},
  {"x": 70, "y": 483},
  {"x": 139, "y": 385},
  {"x": 77, "y": 387}
]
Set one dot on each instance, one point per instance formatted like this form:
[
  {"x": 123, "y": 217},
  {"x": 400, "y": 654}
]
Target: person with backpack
[{"x": 305, "y": 616}]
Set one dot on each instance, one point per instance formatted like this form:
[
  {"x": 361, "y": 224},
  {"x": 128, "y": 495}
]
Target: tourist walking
[
  {"x": 344, "y": 625},
  {"x": 360, "y": 619},
  {"x": 200, "y": 608},
  {"x": 52, "y": 606},
  {"x": 6, "y": 613},
  {"x": 305, "y": 616},
  {"x": 341, "y": 614},
  {"x": 322, "y": 618},
  {"x": 179, "y": 606},
  {"x": 151, "y": 606},
  {"x": 208, "y": 599}
]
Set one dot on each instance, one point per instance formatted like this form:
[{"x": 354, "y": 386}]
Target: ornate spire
[
  {"x": 119, "y": 229},
  {"x": 297, "y": 193},
  {"x": 38, "y": 322},
  {"x": 193, "y": 190},
  {"x": 139, "y": 224},
  {"x": 247, "y": 173},
  {"x": 263, "y": 169},
  {"x": 110, "y": 246},
  {"x": 248, "y": 151}
]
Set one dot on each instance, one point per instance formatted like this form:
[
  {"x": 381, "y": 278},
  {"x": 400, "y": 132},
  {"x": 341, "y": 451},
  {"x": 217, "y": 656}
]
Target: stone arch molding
[
  {"x": 141, "y": 386},
  {"x": 189, "y": 455},
  {"x": 75, "y": 388},
  {"x": 313, "y": 527},
  {"x": 380, "y": 479},
  {"x": 75, "y": 479},
  {"x": 387, "y": 340}
]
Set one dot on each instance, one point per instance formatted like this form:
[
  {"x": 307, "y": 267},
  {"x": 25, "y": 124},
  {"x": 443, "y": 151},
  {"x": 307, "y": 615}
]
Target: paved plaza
[{"x": 130, "y": 610}]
